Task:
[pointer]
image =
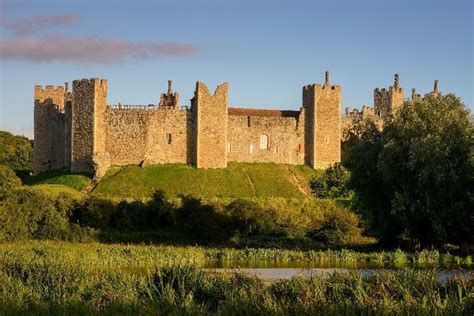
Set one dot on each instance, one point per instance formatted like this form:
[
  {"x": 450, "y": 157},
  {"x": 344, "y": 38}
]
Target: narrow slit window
[
  {"x": 264, "y": 142},
  {"x": 248, "y": 121},
  {"x": 169, "y": 138},
  {"x": 251, "y": 148},
  {"x": 229, "y": 148},
  {"x": 327, "y": 140}
]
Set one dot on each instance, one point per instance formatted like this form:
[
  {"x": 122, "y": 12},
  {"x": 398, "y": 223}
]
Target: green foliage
[
  {"x": 202, "y": 222},
  {"x": 333, "y": 183},
  {"x": 77, "y": 181},
  {"x": 28, "y": 214},
  {"x": 250, "y": 219},
  {"x": 16, "y": 152},
  {"x": 8, "y": 179},
  {"x": 415, "y": 178},
  {"x": 338, "y": 227}
]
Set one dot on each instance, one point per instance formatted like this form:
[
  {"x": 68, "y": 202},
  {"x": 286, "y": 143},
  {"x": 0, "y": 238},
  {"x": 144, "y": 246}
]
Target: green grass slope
[
  {"x": 57, "y": 189},
  {"x": 236, "y": 181},
  {"x": 76, "y": 181}
]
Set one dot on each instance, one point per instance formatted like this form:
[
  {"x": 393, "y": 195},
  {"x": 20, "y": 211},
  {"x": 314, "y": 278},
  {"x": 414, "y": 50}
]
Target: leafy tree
[
  {"x": 250, "y": 219},
  {"x": 332, "y": 183},
  {"x": 415, "y": 178},
  {"x": 29, "y": 214},
  {"x": 8, "y": 179},
  {"x": 339, "y": 227},
  {"x": 16, "y": 152}
]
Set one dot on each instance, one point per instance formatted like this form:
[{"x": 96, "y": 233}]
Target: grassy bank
[
  {"x": 97, "y": 255},
  {"x": 45, "y": 287},
  {"x": 238, "y": 180}
]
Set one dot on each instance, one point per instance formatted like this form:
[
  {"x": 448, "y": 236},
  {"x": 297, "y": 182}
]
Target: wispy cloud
[
  {"x": 87, "y": 49},
  {"x": 36, "y": 23}
]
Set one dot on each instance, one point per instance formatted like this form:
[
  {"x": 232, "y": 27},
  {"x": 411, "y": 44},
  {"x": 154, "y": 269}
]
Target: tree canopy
[{"x": 415, "y": 178}]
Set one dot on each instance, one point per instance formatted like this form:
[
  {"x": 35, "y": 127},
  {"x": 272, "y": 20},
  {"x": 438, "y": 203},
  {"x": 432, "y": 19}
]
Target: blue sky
[{"x": 266, "y": 50}]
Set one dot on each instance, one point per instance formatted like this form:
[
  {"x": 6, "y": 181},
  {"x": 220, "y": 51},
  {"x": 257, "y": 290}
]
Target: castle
[{"x": 79, "y": 131}]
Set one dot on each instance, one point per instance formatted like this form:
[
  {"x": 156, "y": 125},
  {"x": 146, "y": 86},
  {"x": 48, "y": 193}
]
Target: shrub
[
  {"x": 332, "y": 183},
  {"x": 29, "y": 214},
  {"x": 160, "y": 212},
  {"x": 16, "y": 152},
  {"x": 8, "y": 179},
  {"x": 250, "y": 219},
  {"x": 339, "y": 227},
  {"x": 202, "y": 222},
  {"x": 93, "y": 212}
]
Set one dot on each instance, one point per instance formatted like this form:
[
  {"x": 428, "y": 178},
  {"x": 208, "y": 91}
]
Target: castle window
[
  {"x": 326, "y": 140},
  {"x": 251, "y": 148},
  {"x": 248, "y": 121},
  {"x": 263, "y": 141},
  {"x": 169, "y": 138},
  {"x": 229, "y": 148}
]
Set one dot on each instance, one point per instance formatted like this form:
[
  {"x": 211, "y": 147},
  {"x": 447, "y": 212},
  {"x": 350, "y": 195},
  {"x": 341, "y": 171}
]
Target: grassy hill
[{"x": 237, "y": 180}]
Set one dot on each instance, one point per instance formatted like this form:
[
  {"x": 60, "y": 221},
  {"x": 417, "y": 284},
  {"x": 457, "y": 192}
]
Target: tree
[
  {"x": 415, "y": 178},
  {"x": 8, "y": 180},
  {"x": 332, "y": 183},
  {"x": 16, "y": 152}
]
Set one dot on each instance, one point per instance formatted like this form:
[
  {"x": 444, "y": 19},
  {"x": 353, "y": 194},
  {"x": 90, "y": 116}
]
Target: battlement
[
  {"x": 364, "y": 113},
  {"x": 49, "y": 89},
  {"x": 311, "y": 89},
  {"x": 90, "y": 82}
]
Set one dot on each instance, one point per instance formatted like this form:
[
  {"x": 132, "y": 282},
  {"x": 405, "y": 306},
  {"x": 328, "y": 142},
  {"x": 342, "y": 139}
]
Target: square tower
[
  {"x": 388, "y": 101},
  {"x": 88, "y": 125},
  {"x": 210, "y": 114},
  {"x": 322, "y": 108}
]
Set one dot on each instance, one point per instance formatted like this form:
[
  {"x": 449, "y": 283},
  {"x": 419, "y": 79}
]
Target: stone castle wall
[
  {"x": 265, "y": 136},
  {"x": 148, "y": 136},
  {"x": 90, "y": 135}
]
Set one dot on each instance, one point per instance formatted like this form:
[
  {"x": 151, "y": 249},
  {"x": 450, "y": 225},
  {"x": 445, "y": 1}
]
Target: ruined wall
[
  {"x": 210, "y": 112},
  {"x": 148, "y": 136},
  {"x": 49, "y": 129},
  {"x": 265, "y": 136},
  {"x": 88, "y": 132}
]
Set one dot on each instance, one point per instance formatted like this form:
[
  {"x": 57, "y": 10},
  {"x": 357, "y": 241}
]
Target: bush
[
  {"x": 332, "y": 183},
  {"x": 202, "y": 222},
  {"x": 29, "y": 214},
  {"x": 338, "y": 227},
  {"x": 8, "y": 179},
  {"x": 93, "y": 212},
  {"x": 249, "y": 219},
  {"x": 16, "y": 152}
]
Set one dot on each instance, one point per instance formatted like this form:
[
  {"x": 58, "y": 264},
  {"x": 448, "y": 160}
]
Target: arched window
[{"x": 263, "y": 141}]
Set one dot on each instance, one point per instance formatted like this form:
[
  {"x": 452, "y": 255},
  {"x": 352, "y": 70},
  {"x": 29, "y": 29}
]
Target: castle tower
[
  {"x": 387, "y": 102},
  {"x": 88, "y": 126},
  {"x": 49, "y": 128},
  {"x": 169, "y": 101},
  {"x": 435, "y": 91},
  {"x": 322, "y": 106},
  {"x": 210, "y": 118}
]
